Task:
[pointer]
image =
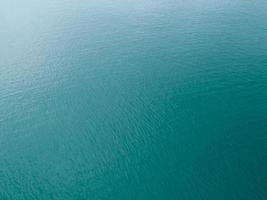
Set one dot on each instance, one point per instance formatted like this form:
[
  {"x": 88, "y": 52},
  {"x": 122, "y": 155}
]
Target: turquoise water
[{"x": 133, "y": 100}]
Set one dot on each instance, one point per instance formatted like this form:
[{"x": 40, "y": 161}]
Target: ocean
[{"x": 117, "y": 100}]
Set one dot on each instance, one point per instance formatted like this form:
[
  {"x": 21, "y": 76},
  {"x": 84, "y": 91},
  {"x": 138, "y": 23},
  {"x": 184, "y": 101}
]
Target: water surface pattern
[{"x": 144, "y": 99}]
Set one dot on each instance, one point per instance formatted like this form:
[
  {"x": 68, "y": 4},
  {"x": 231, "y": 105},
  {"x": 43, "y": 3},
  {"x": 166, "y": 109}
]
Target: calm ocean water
[{"x": 117, "y": 100}]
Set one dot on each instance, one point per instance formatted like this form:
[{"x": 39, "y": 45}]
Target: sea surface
[{"x": 133, "y": 99}]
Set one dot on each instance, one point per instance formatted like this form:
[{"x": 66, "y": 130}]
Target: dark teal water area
[{"x": 144, "y": 99}]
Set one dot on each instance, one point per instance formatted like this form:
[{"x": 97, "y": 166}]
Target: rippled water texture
[{"x": 145, "y": 99}]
